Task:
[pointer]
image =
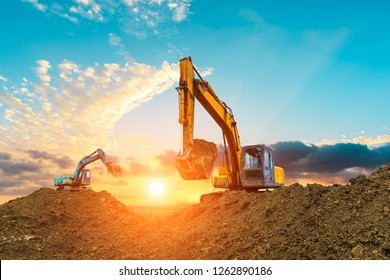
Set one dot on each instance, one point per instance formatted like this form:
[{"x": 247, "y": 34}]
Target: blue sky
[{"x": 81, "y": 74}]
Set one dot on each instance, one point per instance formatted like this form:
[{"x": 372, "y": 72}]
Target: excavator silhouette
[
  {"x": 249, "y": 168},
  {"x": 82, "y": 177}
]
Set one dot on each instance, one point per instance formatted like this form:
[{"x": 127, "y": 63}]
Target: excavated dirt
[
  {"x": 199, "y": 163},
  {"x": 313, "y": 222}
]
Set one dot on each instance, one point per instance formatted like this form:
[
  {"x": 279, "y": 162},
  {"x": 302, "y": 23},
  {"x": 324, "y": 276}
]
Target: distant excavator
[
  {"x": 82, "y": 177},
  {"x": 249, "y": 168}
]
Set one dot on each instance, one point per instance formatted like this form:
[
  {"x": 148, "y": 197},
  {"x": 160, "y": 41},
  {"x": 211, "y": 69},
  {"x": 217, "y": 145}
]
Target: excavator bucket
[
  {"x": 114, "y": 169},
  {"x": 198, "y": 162},
  {"x": 117, "y": 170}
]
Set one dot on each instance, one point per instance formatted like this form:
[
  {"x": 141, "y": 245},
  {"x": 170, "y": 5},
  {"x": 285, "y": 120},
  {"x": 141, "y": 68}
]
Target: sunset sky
[{"x": 309, "y": 78}]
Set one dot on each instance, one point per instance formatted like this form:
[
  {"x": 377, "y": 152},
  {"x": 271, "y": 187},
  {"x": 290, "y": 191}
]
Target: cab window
[
  {"x": 266, "y": 159},
  {"x": 250, "y": 161}
]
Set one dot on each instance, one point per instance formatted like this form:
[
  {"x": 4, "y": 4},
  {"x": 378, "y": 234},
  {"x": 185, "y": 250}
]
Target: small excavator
[
  {"x": 249, "y": 168},
  {"x": 82, "y": 177}
]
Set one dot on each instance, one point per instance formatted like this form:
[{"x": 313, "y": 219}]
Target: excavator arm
[
  {"x": 96, "y": 155},
  {"x": 194, "y": 162},
  {"x": 81, "y": 176}
]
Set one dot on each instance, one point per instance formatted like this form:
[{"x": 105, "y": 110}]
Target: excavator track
[{"x": 74, "y": 188}]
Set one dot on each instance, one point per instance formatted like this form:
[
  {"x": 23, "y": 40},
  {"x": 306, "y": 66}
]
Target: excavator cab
[
  {"x": 253, "y": 171},
  {"x": 85, "y": 177},
  {"x": 258, "y": 169}
]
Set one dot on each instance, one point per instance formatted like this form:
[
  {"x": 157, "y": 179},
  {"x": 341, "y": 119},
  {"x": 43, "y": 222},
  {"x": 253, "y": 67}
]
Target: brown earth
[{"x": 314, "y": 222}]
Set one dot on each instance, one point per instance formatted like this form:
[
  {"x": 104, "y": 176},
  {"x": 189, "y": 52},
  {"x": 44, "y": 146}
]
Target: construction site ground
[{"x": 350, "y": 221}]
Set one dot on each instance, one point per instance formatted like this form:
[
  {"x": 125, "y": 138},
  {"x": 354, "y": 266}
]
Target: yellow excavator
[
  {"x": 249, "y": 168},
  {"x": 81, "y": 176}
]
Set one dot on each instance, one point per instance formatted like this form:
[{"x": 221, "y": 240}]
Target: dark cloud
[
  {"x": 298, "y": 159},
  {"x": 62, "y": 162},
  {"x": 25, "y": 183},
  {"x": 20, "y": 189},
  {"x": 338, "y": 157},
  {"x": 43, "y": 178},
  {"x": 14, "y": 168},
  {"x": 9, "y": 183},
  {"x": 5, "y": 156},
  {"x": 293, "y": 151},
  {"x": 39, "y": 154},
  {"x": 20, "y": 176},
  {"x": 384, "y": 152}
]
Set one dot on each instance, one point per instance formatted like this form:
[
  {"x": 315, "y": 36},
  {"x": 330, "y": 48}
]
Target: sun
[{"x": 156, "y": 188}]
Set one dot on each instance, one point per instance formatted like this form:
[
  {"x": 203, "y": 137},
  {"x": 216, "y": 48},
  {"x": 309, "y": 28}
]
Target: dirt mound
[
  {"x": 313, "y": 222},
  {"x": 63, "y": 225}
]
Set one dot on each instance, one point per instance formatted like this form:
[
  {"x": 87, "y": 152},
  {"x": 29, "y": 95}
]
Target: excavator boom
[
  {"x": 194, "y": 158},
  {"x": 197, "y": 157}
]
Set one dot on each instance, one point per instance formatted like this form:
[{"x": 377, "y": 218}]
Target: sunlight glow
[{"x": 156, "y": 188}]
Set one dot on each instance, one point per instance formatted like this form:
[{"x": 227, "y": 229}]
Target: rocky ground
[{"x": 295, "y": 222}]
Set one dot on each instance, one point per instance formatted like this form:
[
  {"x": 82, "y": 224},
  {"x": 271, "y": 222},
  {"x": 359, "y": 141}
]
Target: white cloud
[
  {"x": 76, "y": 109},
  {"x": 37, "y": 5},
  {"x": 172, "y": 5},
  {"x": 130, "y": 2},
  {"x": 181, "y": 11},
  {"x": 114, "y": 39},
  {"x": 141, "y": 18},
  {"x": 85, "y": 2},
  {"x": 2, "y": 78},
  {"x": 369, "y": 141},
  {"x": 58, "y": 9},
  {"x": 42, "y": 70},
  {"x": 16, "y": 104},
  {"x": 207, "y": 72},
  {"x": 88, "y": 9},
  {"x": 9, "y": 114}
]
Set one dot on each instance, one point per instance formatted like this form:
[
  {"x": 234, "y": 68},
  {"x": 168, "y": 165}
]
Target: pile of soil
[{"x": 349, "y": 221}]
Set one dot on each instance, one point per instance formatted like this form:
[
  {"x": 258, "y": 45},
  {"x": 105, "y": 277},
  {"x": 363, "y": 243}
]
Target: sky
[{"x": 309, "y": 78}]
